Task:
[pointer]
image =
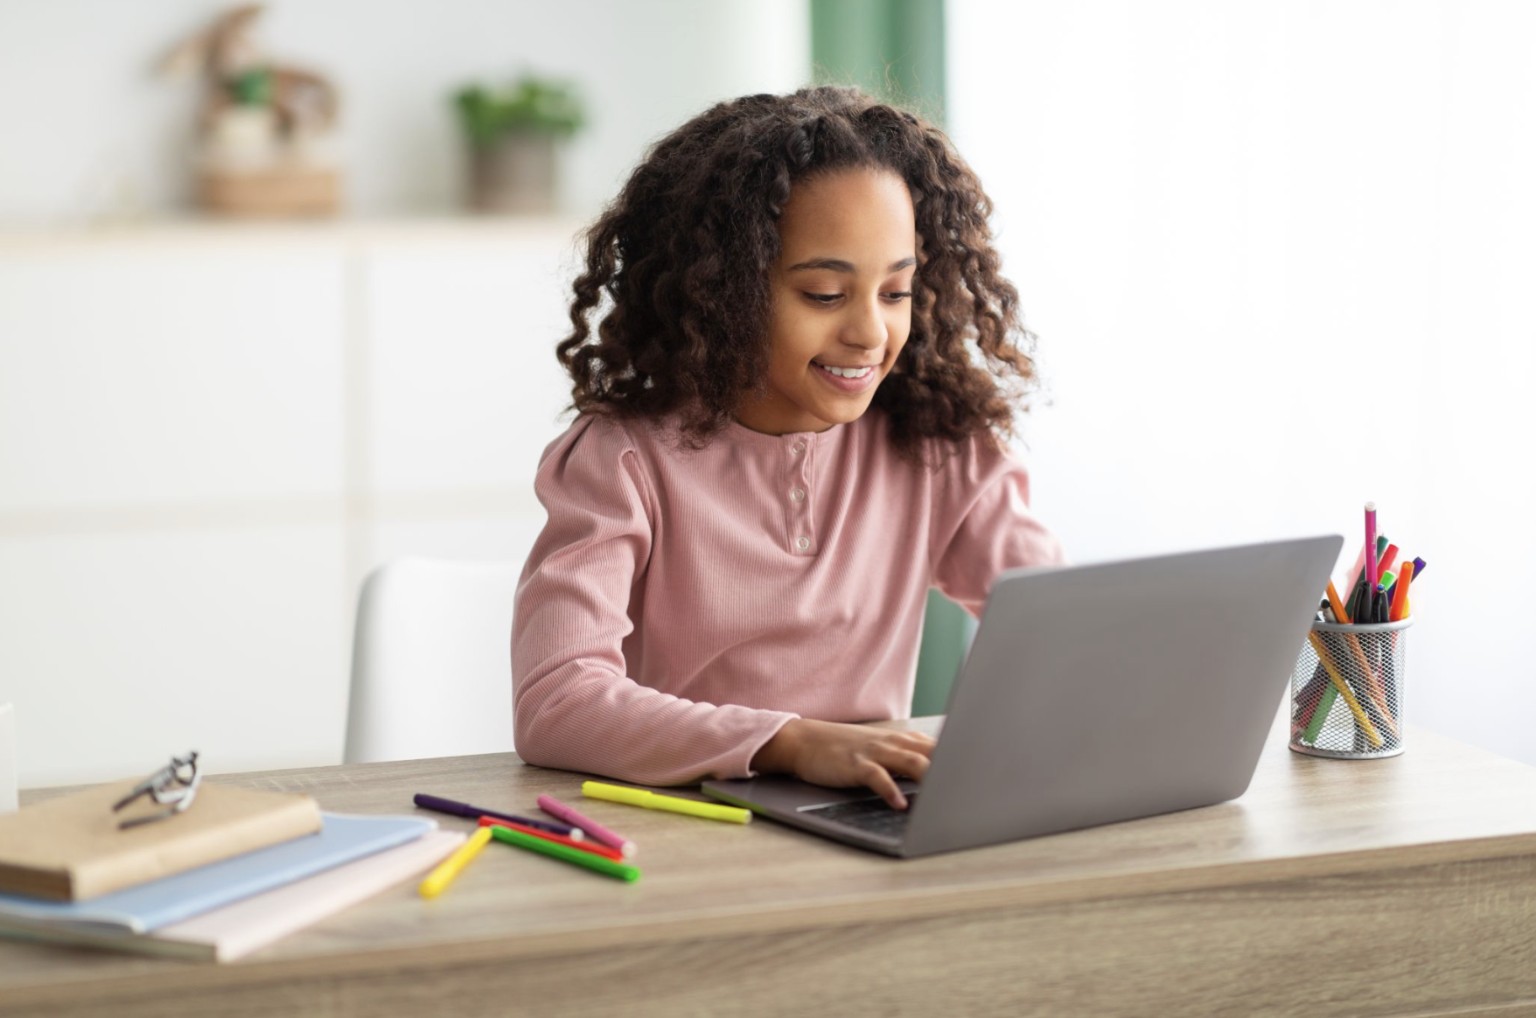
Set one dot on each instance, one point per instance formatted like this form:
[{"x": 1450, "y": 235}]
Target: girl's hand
[{"x": 844, "y": 756}]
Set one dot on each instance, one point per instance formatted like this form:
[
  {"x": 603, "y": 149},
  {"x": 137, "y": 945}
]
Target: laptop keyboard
[{"x": 872, "y": 815}]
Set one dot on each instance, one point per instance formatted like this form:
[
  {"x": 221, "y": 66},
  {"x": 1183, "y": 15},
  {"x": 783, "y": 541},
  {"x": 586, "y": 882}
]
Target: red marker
[
  {"x": 585, "y": 846},
  {"x": 1386, "y": 562}
]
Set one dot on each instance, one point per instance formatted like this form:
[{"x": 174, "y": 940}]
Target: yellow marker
[
  {"x": 450, "y": 867},
  {"x": 670, "y": 803},
  {"x": 1343, "y": 688}
]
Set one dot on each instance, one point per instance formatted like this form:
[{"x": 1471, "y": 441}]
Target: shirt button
[
  {"x": 802, "y": 543},
  {"x": 796, "y": 494}
]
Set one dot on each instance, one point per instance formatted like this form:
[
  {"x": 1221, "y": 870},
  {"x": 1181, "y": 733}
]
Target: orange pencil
[
  {"x": 1339, "y": 614},
  {"x": 1399, "y": 608}
]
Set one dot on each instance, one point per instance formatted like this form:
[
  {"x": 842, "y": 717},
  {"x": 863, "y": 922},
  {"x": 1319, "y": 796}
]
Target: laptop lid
[{"x": 1099, "y": 693}]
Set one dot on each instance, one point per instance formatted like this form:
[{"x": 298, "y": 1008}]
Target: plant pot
[{"x": 516, "y": 174}]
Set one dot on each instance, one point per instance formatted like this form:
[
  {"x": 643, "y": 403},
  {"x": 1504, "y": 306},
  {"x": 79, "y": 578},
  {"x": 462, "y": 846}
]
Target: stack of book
[{"x": 233, "y": 873}]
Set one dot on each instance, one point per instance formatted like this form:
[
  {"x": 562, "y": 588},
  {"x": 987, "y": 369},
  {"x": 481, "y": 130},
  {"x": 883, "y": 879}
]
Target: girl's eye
[{"x": 829, "y": 298}]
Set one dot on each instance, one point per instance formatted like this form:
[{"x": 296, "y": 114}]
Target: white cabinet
[
  {"x": 208, "y": 435},
  {"x": 172, "y": 375}
]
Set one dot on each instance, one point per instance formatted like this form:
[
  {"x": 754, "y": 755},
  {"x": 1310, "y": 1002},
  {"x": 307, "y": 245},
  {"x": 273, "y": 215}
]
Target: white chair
[{"x": 432, "y": 661}]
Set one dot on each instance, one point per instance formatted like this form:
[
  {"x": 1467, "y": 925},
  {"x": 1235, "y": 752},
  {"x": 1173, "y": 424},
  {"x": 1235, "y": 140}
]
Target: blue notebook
[{"x": 149, "y": 906}]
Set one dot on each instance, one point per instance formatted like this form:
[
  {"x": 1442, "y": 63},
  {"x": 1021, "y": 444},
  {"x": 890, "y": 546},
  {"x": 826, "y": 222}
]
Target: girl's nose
[{"x": 866, "y": 327}]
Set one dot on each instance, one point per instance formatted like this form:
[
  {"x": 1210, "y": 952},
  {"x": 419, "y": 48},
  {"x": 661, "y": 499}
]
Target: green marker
[
  {"x": 1319, "y": 715},
  {"x": 607, "y": 867}
]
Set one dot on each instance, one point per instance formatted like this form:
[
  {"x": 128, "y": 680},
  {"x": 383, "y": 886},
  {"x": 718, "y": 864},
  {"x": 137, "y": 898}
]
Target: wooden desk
[{"x": 1400, "y": 886}]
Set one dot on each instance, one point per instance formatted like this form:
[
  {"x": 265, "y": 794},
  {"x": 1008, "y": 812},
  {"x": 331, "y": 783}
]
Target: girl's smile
[
  {"x": 841, "y": 304},
  {"x": 850, "y": 379}
]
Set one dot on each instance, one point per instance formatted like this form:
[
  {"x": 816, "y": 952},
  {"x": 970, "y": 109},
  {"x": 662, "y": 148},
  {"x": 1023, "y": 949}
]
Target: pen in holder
[{"x": 1347, "y": 691}]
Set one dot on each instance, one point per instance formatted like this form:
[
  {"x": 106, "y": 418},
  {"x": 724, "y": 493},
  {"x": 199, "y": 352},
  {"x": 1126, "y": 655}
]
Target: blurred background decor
[
  {"x": 265, "y": 129},
  {"x": 516, "y": 136},
  {"x": 211, "y": 433}
]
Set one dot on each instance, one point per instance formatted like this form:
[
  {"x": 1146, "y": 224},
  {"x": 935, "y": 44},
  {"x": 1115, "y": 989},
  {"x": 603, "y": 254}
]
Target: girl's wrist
[{"x": 777, "y": 755}]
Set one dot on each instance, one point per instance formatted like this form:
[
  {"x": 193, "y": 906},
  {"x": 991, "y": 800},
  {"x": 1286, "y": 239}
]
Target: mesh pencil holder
[{"x": 1347, "y": 691}]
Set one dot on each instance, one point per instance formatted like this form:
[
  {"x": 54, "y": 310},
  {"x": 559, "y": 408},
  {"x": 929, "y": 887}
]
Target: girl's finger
[
  {"x": 879, "y": 781},
  {"x": 905, "y": 763}
]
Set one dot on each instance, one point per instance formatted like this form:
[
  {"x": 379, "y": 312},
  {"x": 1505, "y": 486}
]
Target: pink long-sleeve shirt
[{"x": 681, "y": 605}]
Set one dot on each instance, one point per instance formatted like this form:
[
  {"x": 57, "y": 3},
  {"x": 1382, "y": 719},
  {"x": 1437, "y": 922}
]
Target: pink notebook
[{"x": 237, "y": 929}]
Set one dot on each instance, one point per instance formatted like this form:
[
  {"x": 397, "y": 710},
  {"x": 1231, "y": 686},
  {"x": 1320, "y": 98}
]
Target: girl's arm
[{"x": 982, "y": 525}]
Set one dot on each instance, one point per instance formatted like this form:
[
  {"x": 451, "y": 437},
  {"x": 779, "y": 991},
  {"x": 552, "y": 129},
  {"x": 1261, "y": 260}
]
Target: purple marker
[
  {"x": 600, "y": 834},
  {"x": 461, "y": 809}
]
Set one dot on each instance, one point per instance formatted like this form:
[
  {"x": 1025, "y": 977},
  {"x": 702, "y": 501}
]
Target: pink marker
[
  {"x": 596, "y": 831},
  {"x": 1372, "y": 575}
]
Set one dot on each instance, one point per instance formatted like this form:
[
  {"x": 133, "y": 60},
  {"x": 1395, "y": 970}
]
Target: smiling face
[{"x": 841, "y": 300}]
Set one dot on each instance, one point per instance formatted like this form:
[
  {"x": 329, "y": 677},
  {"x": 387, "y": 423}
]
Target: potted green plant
[{"x": 515, "y": 135}]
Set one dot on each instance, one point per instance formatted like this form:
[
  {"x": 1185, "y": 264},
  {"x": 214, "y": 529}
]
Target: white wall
[
  {"x": 208, "y": 433},
  {"x": 1279, "y": 259},
  {"x": 90, "y": 131}
]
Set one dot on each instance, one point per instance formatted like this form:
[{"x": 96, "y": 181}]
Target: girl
[{"x": 791, "y": 423}]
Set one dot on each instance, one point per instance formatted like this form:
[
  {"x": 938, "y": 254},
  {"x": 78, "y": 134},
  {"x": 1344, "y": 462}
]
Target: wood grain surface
[{"x": 1404, "y": 886}]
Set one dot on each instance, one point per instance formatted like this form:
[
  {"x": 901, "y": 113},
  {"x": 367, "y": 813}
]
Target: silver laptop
[{"x": 1092, "y": 694}]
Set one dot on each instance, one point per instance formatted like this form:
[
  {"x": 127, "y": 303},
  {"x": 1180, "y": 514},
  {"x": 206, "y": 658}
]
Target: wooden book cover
[
  {"x": 70, "y": 847},
  {"x": 228, "y": 909}
]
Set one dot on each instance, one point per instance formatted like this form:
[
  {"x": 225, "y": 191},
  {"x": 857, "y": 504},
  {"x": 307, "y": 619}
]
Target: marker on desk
[
  {"x": 464, "y": 809},
  {"x": 574, "y": 856},
  {"x": 670, "y": 803},
  {"x": 585, "y": 846},
  {"x": 444, "y": 874},
  {"x": 596, "y": 831}
]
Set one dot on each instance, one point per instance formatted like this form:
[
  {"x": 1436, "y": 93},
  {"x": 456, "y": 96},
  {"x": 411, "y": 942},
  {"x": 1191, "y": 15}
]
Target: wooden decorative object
[
  {"x": 271, "y": 193},
  {"x": 262, "y": 147}
]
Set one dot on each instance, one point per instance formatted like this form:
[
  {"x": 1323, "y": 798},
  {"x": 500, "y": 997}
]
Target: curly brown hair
[{"x": 683, "y": 256}]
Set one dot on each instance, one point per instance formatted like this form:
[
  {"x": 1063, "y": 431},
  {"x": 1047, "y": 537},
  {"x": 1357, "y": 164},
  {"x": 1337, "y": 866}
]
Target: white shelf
[{"x": 423, "y": 232}]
